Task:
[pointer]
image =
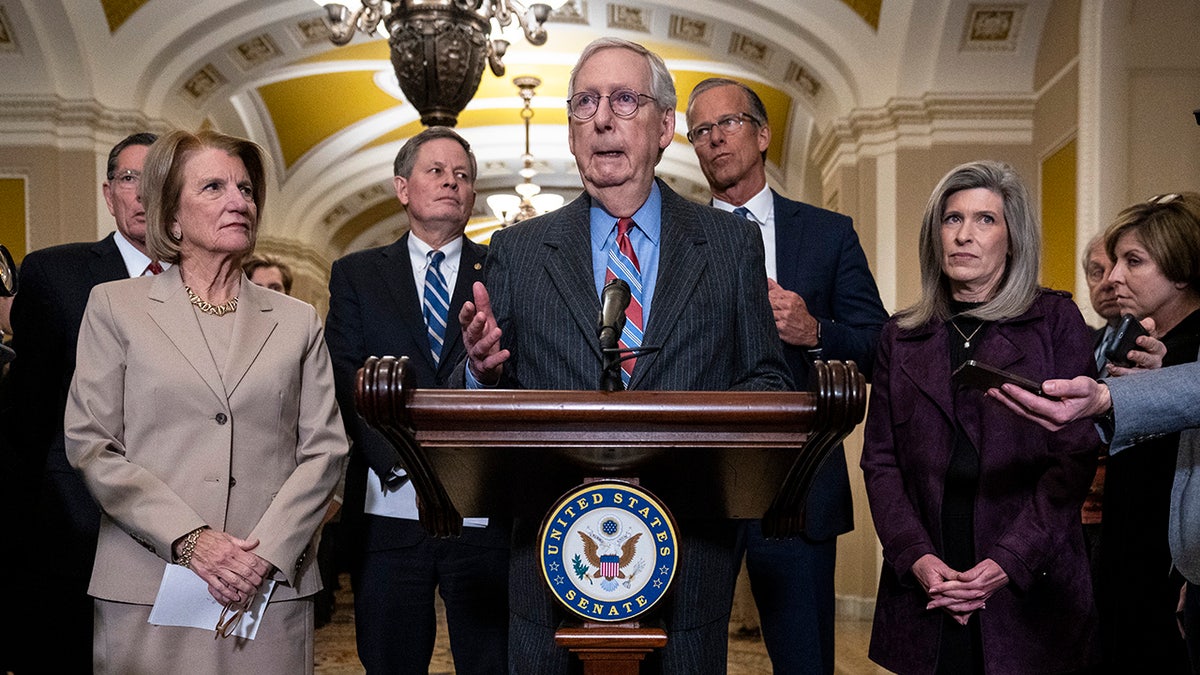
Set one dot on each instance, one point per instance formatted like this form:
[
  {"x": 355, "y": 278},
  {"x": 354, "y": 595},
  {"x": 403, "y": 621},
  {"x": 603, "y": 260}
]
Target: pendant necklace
[{"x": 966, "y": 338}]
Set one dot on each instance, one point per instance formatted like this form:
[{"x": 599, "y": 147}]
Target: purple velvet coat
[{"x": 1031, "y": 485}]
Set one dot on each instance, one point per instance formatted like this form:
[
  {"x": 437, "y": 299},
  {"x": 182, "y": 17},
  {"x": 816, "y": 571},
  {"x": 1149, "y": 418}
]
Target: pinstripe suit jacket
[
  {"x": 711, "y": 318},
  {"x": 166, "y": 442},
  {"x": 712, "y": 322}
]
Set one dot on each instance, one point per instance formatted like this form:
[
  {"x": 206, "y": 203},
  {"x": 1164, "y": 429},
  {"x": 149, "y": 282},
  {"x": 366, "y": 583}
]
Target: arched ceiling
[{"x": 333, "y": 117}]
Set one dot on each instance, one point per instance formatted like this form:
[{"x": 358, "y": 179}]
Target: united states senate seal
[{"x": 609, "y": 551}]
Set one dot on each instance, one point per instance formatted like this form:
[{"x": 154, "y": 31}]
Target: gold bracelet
[{"x": 189, "y": 547}]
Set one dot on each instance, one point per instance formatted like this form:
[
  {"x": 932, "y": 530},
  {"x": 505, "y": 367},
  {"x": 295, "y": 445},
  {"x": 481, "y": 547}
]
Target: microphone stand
[
  {"x": 614, "y": 298},
  {"x": 610, "y": 370}
]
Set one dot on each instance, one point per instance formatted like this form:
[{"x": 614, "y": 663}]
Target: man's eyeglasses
[
  {"x": 1164, "y": 199},
  {"x": 231, "y": 616},
  {"x": 624, "y": 103},
  {"x": 728, "y": 125},
  {"x": 127, "y": 179}
]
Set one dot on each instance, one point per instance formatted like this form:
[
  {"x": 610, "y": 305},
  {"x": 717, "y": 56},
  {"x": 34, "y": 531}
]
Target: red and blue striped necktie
[{"x": 623, "y": 264}]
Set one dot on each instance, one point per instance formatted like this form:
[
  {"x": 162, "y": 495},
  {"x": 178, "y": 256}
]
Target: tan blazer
[{"x": 166, "y": 443}]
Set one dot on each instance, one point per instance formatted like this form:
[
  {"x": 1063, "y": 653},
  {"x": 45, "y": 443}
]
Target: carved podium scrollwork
[
  {"x": 706, "y": 454},
  {"x": 383, "y": 388}
]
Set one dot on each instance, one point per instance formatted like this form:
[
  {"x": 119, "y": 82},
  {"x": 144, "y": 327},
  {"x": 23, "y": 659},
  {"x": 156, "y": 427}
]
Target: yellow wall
[
  {"x": 1058, "y": 219},
  {"x": 12, "y": 216}
]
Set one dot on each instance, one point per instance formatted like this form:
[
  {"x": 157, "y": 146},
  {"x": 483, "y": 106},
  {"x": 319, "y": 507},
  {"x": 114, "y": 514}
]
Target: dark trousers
[
  {"x": 1191, "y": 625},
  {"x": 792, "y": 583},
  {"x": 394, "y": 610},
  {"x": 56, "y": 567}
]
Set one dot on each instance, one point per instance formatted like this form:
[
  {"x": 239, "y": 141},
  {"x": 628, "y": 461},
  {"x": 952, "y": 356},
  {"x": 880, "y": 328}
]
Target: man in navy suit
[
  {"x": 376, "y": 309},
  {"x": 704, "y": 308},
  {"x": 826, "y": 306},
  {"x": 61, "y": 518}
]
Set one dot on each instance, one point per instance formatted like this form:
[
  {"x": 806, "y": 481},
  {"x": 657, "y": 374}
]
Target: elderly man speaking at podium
[{"x": 699, "y": 320}]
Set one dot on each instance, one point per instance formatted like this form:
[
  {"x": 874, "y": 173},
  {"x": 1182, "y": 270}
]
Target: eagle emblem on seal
[{"x": 609, "y": 551}]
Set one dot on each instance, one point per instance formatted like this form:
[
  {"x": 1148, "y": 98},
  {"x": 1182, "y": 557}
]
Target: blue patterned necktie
[
  {"x": 623, "y": 264},
  {"x": 745, "y": 213},
  {"x": 436, "y": 304}
]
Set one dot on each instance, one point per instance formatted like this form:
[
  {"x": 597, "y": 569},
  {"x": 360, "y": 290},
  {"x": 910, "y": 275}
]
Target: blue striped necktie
[
  {"x": 436, "y": 304},
  {"x": 745, "y": 213},
  {"x": 623, "y": 264}
]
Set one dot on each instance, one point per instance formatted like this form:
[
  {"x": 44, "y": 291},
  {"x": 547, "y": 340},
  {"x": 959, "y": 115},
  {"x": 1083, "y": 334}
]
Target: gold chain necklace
[
  {"x": 966, "y": 338},
  {"x": 209, "y": 308}
]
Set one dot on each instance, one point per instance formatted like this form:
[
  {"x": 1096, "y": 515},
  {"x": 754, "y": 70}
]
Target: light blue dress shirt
[{"x": 645, "y": 238}]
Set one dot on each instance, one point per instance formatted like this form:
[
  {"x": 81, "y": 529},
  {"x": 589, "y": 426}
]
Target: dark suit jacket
[
  {"x": 712, "y": 321},
  {"x": 1098, "y": 335},
  {"x": 46, "y": 314},
  {"x": 53, "y": 515},
  {"x": 1026, "y": 512},
  {"x": 374, "y": 310},
  {"x": 710, "y": 317},
  {"x": 818, "y": 257}
]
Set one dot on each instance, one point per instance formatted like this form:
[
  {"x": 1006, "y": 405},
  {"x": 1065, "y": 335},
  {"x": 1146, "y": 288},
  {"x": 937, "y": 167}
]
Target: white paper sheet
[{"x": 183, "y": 600}]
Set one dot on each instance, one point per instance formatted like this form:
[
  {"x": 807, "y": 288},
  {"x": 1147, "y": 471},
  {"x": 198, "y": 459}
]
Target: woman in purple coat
[{"x": 978, "y": 509}]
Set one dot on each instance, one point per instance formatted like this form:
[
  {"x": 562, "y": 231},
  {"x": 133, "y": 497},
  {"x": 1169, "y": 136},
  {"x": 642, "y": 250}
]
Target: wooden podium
[{"x": 512, "y": 453}]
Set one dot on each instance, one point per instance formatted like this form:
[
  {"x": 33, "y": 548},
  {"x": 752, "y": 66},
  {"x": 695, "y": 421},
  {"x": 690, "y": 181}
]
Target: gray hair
[
  {"x": 141, "y": 138},
  {"x": 1018, "y": 286},
  {"x": 1096, "y": 240},
  {"x": 406, "y": 158},
  {"x": 662, "y": 87},
  {"x": 758, "y": 111}
]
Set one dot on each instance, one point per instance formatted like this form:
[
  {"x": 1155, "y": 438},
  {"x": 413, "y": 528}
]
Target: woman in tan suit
[{"x": 203, "y": 420}]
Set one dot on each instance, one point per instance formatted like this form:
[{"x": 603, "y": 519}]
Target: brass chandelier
[
  {"x": 438, "y": 47},
  {"x": 529, "y": 200}
]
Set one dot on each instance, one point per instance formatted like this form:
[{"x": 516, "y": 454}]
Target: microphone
[
  {"x": 614, "y": 298},
  {"x": 613, "y": 301}
]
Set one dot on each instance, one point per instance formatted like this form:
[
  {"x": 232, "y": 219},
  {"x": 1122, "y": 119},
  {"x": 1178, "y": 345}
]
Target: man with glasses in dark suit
[
  {"x": 826, "y": 306},
  {"x": 699, "y": 299}
]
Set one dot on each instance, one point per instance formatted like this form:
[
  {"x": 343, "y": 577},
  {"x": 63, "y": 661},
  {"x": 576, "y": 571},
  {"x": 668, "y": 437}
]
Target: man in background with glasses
[
  {"x": 57, "y": 520},
  {"x": 826, "y": 306},
  {"x": 702, "y": 311}
]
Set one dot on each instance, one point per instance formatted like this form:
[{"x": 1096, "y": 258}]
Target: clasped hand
[
  {"x": 233, "y": 573},
  {"x": 959, "y": 594}
]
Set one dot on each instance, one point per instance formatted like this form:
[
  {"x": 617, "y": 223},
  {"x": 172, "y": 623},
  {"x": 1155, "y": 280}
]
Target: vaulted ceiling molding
[
  {"x": 923, "y": 122},
  {"x": 26, "y": 118}
]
